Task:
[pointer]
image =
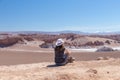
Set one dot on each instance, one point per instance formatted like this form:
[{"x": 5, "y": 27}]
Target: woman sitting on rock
[{"x": 62, "y": 55}]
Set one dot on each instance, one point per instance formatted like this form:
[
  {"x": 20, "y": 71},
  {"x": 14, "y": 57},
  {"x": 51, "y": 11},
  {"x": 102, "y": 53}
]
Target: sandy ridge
[{"x": 81, "y": 70}]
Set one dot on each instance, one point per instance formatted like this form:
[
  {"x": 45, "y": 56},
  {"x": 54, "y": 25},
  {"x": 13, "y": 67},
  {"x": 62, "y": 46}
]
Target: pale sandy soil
[
  {"x": 31, "y": 63},
  {"x": 81, "y": 70},
  {"x": 15, "y": 57}
]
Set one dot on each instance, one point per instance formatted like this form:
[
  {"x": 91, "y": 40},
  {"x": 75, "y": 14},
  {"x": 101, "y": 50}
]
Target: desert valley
[{"x": 31, "y": 57}]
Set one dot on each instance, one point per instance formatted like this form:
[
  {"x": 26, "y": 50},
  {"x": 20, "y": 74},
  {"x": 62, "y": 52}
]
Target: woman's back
[{"x": 59, "y": 54}]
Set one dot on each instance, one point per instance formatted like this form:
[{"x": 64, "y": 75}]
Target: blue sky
[{"x": 59, "y": 15}]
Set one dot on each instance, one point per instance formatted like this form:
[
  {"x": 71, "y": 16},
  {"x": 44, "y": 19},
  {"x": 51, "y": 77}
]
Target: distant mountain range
[{"x": 60, "y": 32}]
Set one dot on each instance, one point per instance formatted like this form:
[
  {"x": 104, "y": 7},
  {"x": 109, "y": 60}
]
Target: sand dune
[{"x": 81, "y": 70}]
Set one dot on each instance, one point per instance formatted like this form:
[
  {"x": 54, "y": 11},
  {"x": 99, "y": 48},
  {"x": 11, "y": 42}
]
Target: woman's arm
[{"x": 67, "y": 52}]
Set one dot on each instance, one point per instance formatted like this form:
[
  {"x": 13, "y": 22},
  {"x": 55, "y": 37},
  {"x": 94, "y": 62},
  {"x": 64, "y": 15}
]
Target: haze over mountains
[{"x": 66, "y": 31}]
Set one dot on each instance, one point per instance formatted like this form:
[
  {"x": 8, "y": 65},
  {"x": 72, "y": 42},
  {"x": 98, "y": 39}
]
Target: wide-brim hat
[{"x": 59, "y": 42}]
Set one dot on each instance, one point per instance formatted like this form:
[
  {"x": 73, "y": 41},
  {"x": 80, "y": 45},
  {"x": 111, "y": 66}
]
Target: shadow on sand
[{"x": 53, "y": 65}]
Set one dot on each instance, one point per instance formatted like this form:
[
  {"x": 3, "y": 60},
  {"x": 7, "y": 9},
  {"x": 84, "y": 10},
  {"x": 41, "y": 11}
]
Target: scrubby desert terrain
[{"x": 31, "y": 57}]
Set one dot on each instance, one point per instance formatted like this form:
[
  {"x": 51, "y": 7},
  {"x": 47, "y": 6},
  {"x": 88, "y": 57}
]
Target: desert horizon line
[{"x": 62, "y": 31}]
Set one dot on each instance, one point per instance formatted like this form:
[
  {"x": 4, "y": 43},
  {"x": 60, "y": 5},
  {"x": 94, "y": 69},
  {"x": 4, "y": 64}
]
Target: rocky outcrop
[
  {"x": 76, "y": 44},
  {"x": 104, "y": 58},
  {"x": 107, "y": 41},
  {"x": 104, "y": 49},
  {"x": 9, "y": 41},
  {"x": 95, "y": 43},
  {"x": 46, "y": 45}
]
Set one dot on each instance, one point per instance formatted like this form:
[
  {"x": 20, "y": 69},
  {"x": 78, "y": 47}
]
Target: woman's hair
[{"x": 59, "y": 48}]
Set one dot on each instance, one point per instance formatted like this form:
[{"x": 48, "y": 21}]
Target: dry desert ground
[{"x": 39, "y": 65}]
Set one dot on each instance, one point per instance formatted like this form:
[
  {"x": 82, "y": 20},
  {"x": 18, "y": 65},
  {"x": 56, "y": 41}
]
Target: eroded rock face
[
  {"x": 9, "y": 41},
  {"x": 71, "y": 40},
  {"x": 6, "y": 41}
]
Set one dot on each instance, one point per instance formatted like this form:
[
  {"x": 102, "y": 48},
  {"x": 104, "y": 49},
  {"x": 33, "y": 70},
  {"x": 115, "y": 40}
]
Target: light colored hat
[{"x": 59, "y": 42}]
